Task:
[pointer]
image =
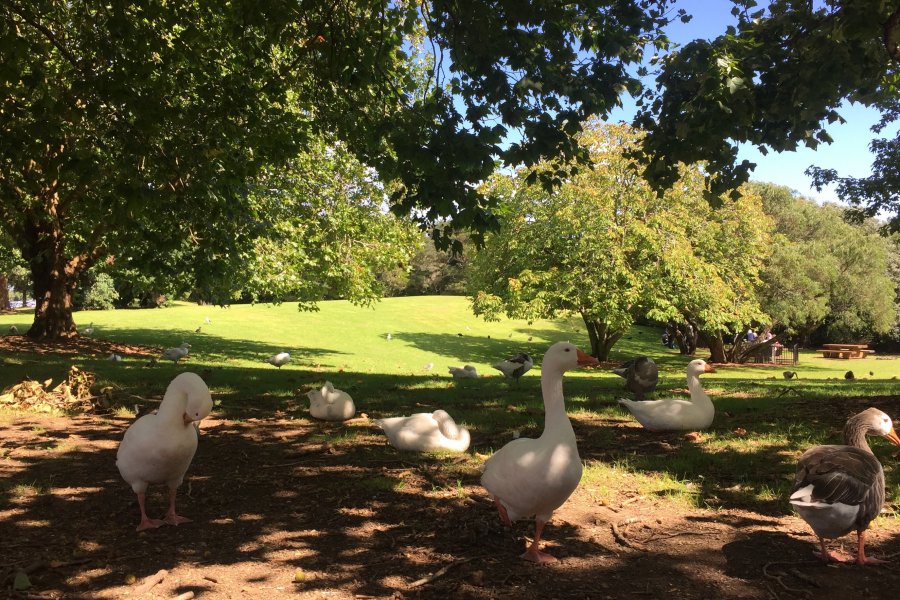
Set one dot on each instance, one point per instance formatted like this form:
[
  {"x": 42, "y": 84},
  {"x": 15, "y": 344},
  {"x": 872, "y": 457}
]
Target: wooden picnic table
[{"x": 845, "y": 351}]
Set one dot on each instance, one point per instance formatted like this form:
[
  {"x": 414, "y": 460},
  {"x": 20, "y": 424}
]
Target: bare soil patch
[
  {"x": 82, "y": 345},
  {"x": 269, "y": 496}
]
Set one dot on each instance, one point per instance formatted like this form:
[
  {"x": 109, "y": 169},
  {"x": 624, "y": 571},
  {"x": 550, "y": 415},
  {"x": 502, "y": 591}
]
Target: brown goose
[
  {"x": 641, "y": 376},
  {"x": 839, "y": 489}
]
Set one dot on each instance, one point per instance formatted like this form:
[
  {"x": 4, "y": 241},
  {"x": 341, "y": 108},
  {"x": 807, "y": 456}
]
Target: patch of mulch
[
  {"x": 277, "y": 513},
  {"x": 76, "y": 345}
]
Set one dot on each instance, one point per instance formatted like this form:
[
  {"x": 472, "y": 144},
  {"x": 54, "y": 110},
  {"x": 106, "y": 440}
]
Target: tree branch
[
  {"x": 889, "y": 26},
  {"x": 47, "y": 33}
]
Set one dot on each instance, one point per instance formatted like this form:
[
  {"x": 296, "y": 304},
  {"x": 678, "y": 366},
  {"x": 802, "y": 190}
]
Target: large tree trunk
[
  {"x": 54, "y": 278},
  {"x": 716, "y": 348},
  {"x": 4, "y": 293},
  {"x": 686, "y": 334},
  {"x": 602, "y": 337}
]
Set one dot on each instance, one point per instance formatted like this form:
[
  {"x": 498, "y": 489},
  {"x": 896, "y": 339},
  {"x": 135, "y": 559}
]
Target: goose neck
[
  {"x": 556, "y": 418},
  {"x": 174, "y": 405},
  {"x": 855, "y": 434}
]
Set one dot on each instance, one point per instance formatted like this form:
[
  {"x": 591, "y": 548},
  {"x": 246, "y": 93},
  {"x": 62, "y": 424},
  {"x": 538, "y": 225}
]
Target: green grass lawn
[{"x": 347, "y": 345}]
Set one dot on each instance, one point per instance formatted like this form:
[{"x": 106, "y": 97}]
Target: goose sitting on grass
[
  {"x": 466, "y": 372},
  {"x": 176, "y": 354},
  {"x": 672, "y": 414},
  {"x": 89, "y": 330},
  {"x": 330, "y": 404},
  {"x": 425, "y": 432}
]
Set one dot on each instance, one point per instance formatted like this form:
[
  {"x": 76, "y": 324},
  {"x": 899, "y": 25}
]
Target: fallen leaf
[
  {"x": 130, "y": 579},
  {"x": 299, "y": 576},
  {"x": 694, "y": 436},
  {"x": 21, "y": 582},
  {"x": 740, "y": 431},
  {"x": 55, "y": 563}
]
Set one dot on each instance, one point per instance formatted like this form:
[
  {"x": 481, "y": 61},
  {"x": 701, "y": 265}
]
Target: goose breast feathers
[
  {"x": 158, "y": 448},
  {"x": 673, "y": 414}
]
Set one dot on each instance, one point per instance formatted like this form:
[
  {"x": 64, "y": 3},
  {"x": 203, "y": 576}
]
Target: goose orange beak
[
  {"x": 187, "y": 419},
  {"x": 709, "y": 369},
  {"x": 585, "y": 360},
  {"x": 892, "y": 435}
]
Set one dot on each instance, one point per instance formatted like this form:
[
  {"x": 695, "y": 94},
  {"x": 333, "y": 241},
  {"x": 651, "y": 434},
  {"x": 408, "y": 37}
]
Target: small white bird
[
  {"x": 388, "y": 336},
  {"x": 467, "y": 327},
  {"x": 89, "y": 330},
  {"x": 208, "y": 321},
  {"x": 466, "y": 372},
  {"x": 114, "y": 358},
  {"x": 428, "y": 366},
  {"x": 280, "y": 359}
]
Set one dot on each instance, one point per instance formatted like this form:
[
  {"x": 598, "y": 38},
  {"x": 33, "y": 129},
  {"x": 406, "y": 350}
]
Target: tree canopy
[
  {"x": 136, "y": 128},
  {"x": 775, "y": 81},
  {"x": 604, "y": 246}
]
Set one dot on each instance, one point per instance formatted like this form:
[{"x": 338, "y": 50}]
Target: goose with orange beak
[
  {"x": 536, "y": 476},
  {"x": 839, "y": 489},
  {"x": 673, "y": 414}
]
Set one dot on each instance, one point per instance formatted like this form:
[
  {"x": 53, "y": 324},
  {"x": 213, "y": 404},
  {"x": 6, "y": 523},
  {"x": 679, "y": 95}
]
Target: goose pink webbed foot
[
  {"x": 533, "y": 554},
  {"x": 147, "y": 523},
  {"x": 829, "y": 556},
  {"x": 502, "y": 510},
  {"x": 861, "y": 558},
  {"x": 171, "y": 518}
]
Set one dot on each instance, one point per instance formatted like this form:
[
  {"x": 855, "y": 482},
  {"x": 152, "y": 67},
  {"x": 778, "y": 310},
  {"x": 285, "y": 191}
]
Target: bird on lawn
[
  {"x": 789, "y": 374},
  {"x": 159, "y": 448},
  {"x": 641, "y": 376},
  {"x": 467, "y": 328},
  {"x": 176, "y": 354},
  {"x": 114, "y": 358},
  {"x": 536, "y": 476},
  {"x": 672, "y": 414},
  {"x": 459, "y": 334},
  {"x": 208, "y": 321},
  {"x": 466, "y": 372},
  {"x": 839, "y": 489},
  {"x": 279, "y": 359},
  {"x": 198, "y": 329},
  {"x": 871, "y": 373},
  {"x": 529, "y": 338},
  {"x": 152, "y": 362},
  {"x": 510, "y": 336},
  {"x": 89, "y": 330},
  {"x": 13, "y": 330},
  {"x": 515, "y": 366},
  {"x": 849, "y": 375},
  {"x": 388, "y": 336},
  {"x": 428, "y": 366}
]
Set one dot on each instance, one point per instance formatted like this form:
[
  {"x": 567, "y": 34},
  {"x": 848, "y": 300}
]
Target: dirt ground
[{"x": 268, "y": 498}]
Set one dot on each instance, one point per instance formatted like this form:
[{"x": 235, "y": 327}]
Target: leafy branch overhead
[{"x": 775, "y": 80}]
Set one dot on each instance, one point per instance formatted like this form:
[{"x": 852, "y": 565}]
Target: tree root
[
  {"x": 777, "y": 578},
  {"x": 441, "y": 573},
  {"x": 149, "y": 582},
  {"x": 621, "y": 537}
]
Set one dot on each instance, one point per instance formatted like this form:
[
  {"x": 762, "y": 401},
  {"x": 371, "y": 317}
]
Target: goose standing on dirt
[
  {"x": 535, "y": 477},
  {"x": 330, "y": 404},
  {"x": 425, "y": 432},
  {"x": 158, "y": 448},
  {"x": 89, "y": 330},
  {"x": 466, "y": 372},
  {"x": 839, "y": 489},
  {"x": 280, "y": 359},
  {"x": 515, "y": 366},
  {"x": 176, "y": 354},
  {"x": 672, "y": 414},
  {"x": 641, "y": 376}
]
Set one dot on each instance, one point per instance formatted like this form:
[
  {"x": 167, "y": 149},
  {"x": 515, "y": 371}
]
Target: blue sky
[{"x": 849, "y": 153}]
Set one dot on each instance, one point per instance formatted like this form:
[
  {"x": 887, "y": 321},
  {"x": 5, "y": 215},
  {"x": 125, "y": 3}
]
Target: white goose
[
  {"x": 673, "y": 414},
  {"x": 838, "y": 489},
  {"x": 176, "y": 354},
  {"x": 330, "y": 404},
  {"x": 158, "y": 448},
  {"x": 425, "y": 432},
  {"x": 280, "y": 359},
  {"x": 535, "y": 477},
  {"x": 114, "y": 358},
  {"x": 466, "y": 372},
  {"x": 89, "y": 330}
]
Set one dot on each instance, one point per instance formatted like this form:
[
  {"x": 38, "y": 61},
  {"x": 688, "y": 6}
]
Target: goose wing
[{"x": 839, "y": 474}]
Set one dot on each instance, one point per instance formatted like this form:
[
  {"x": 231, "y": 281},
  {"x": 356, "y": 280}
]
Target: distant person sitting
[{"x": 751, "y": 337}]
